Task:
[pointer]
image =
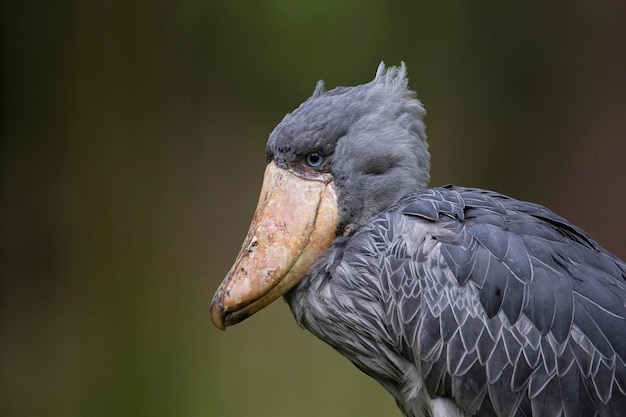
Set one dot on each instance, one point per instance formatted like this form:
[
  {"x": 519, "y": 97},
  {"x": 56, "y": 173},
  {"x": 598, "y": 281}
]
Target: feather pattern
[{"x": 498, "y": 305}]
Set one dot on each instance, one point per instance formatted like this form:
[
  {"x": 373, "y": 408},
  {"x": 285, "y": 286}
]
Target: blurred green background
[{"x": 132, "y": 152}]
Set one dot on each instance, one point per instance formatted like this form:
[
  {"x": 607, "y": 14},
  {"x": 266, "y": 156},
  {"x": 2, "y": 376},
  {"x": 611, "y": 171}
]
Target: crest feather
[
  {"x": 394, "y": 77},
  {"x": 320, "y": 89}
]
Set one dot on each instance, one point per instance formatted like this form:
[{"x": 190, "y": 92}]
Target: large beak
[{"x": 295, "y": 221}]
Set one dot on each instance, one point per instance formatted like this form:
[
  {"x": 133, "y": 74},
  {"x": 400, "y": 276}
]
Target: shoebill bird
[{"x": 458, "y": 301}]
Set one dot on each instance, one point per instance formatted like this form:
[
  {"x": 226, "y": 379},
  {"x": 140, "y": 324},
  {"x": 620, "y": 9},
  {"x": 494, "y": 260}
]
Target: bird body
[
  {"x": 459, "y": 293},
  {"x": 458, "y": 301}
]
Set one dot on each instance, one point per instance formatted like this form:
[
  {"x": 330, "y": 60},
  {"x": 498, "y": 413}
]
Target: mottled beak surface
[{"x": 295, "y": 221}]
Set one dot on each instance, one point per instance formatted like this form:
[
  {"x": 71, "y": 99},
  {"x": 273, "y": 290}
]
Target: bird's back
[{"x": 499, "y": 305}]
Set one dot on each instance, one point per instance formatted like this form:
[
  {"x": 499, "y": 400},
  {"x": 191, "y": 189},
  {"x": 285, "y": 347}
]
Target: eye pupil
[{"x": 314, "y": 159}]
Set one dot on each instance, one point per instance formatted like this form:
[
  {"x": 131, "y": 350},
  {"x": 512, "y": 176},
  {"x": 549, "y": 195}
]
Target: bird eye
[{"x": 314, "y": 159}]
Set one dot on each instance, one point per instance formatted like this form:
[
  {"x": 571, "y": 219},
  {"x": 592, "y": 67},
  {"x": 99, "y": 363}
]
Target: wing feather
[{"x": 519, "y": 311}]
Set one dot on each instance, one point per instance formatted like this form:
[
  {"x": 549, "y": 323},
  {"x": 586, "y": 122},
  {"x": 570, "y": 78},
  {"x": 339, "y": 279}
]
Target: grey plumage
[
  {"x": 373, "y": 136},
  {"x": 452, "y": 298}
]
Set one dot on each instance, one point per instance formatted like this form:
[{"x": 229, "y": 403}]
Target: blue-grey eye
[{"x": 314, "y": 159}]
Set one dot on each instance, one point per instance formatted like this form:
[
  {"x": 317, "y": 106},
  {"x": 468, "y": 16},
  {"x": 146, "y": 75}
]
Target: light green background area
[{"x": 132, "y": 153}]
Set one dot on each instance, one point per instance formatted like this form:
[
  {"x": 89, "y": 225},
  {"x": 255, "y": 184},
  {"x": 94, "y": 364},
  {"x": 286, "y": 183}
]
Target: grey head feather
[
  {"x": 372, "y": 136},
  {"x": 393, "y": 77},
  {"x": 319, "y": 89}
]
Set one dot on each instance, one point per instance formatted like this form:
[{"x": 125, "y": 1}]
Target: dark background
[{"x": 132, "y": 152}]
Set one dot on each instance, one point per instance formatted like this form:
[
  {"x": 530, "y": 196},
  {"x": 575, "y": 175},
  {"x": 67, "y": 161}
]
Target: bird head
[{"x": 341, "y": 157}]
